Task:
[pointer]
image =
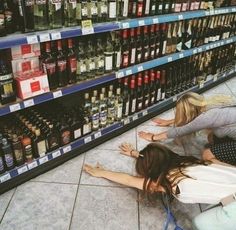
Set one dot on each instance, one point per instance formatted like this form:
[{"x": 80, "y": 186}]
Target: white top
[{"x": 208, "y": 184}]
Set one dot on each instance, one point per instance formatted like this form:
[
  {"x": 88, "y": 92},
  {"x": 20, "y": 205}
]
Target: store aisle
[{"x": 66, "y": 198}]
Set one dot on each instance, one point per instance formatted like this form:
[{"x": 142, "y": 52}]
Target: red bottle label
[
  {"x": 61, "y": 65},
  {"x": 65, "y": 137},
  {"x": 51, "y": 68},
  {"x": 140, "y": 10},
  {"x": 125, "y": 60},
  {"x": 73, "y": 64}
]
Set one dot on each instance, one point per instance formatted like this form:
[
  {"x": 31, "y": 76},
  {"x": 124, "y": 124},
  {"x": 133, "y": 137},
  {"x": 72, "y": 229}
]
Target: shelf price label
[
  {"x": 201, "y": 84},
  {"x": 97, "y": 135},
  {"x": 181, "y": 55},
  {"x": 22, "y": 170},
  {"x": 56, "y": 36},
  {"x": 87, "y": 139},
  {"x": 180, "y": 17},
  {"x": 126, "y": 121},
  {"x": 44, "y": 37},
  {"x": 135, "y": 117},
  {"x": 140, "y": 68},
  {"x": 175, "y": 98},
  {"x": 215, "y": 78},
  {"x": 57, "y": 94},
  {"x": 32, "y": 165},
  {"x": 194, "y": 51},
  {"x": 199, "y": 50},
  {"x": 128, "y": 72},
  {"x": 141, "y": 23},
  {"x": 67, "y": 149},
  {"x": 5, "y": 177},
  {"x": 125, "y": 25},
  {"x": 119, "y": 74},
  {"x": 155, "y": 20},
  {"x": 145, "y": 112},
  {"x": 87, "y": 27},
  {"x": 28, "y": 103},
  {"x": 169, "y": 59},
  {"x": 43, "y": 160},
  {"x": 56, "y": 154},
  {"x": 32, "y": 39},
  {"x": 15, "y": 107}
]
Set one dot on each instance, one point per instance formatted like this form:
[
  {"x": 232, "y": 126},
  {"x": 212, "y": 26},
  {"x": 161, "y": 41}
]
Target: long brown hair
[{"x": 160, "y": 165}]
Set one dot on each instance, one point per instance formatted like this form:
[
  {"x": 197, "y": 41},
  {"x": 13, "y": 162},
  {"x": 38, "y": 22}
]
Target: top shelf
[{"x": 50, "y": 35}]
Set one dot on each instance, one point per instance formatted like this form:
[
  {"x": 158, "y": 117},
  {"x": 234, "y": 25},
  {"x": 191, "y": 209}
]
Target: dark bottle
[
  {"x": 71, "y": 62},
  {"x": 159, "y": 7},
  {"x": 7, "y": 89},
  {"x": 169, "y": 82},
  {"x": 152, "y": 42},
  {"x": 126, "y": 98},
  {"x": 163, "y": 84},
  {"x": 168, "y": 41},
  {"x": 112, "y": 10},
  {"x": 93, "y": 10},
  {"x": 76, "y": 128},
  {"x": 179, "y": 37},
  {"x": 17, "y": 150},
  {"x": 125, "y": 49},
  {"x": 139, "y": 103},
  {"x": 163, "y": 40},
  {"x": 132, "y": 8},
  {"x": 87, "y": 125},
  {"x": 90, "y": 62},
  {"x": 158, "y": 86},
  {"x": 27, "y": 148},
  {"x": 55, "y": 13},
  {"x": 9, "y": 23},
  {"x": 52, "y": 139},
  {"x": 166, "y": 6},
  {"x": 2, "y": 20},
  {"x": 94, "y": 114},
  {"x": 49, "y": 66},
  {"x": 81, "y": 71},
  {"x": 147, "y": 7},
  {"x": 152, "y": 87},
  {"x": 61, "y": 66},
  {"x": 139, "y": 46},
  {"x": 132, "y": 47},
  {"x": 8, "y": 154},
  {"x": 140, "y": 8},
  {"x": 99, "y": 60},
  {"x": 41, "y": 15},
  {"x": 2, "y": 166},
  {"x": 108, "y": 53},
  {"x": 28, "y": 15},
  {"x": 153, "y": 4},
  {"x": 187, "y": 44},
  {"x": 123, "y": 8},
  {"x": 40, "y": 143},
  {"x": 133, "y": 96},
  {"x": 146, "y": 91},
  {"x": 146, "y": 47},
  {"x": 70, "y": 7},
  {"x": 64, "y": 133},
  {"x": 102, "y": 10},
  {"x": 157, "y": 40},
  {"x": 84, "y": 10}
]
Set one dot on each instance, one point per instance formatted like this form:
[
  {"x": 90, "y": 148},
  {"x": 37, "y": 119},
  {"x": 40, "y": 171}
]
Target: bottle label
[
  {"x": 152, "y": 53},
  {"x": 61, "y": 65},
  {"x": 179, "y": 46},
  {"x": 94, "y": 10},
  {"x": 146, "y": 100},
  {"x": 84, "y": 11},
  {"x": 29, "y": 2},
  {"x": 192, "y": 6},
  {"x": 147, "y": 7},
  {"x": 9, "y": 160},
  {"x": 139, "y": 56},
  {"x": 188, "y": 44},
  {"x": 92, "y": 65},
  {"x": 18, "y": 154},
  {"x": 140, "y": 9},
  {"x": 65, "y": 137},
  {"x": 108, "y": 63},
  {"x": 41, "y": 145},
  {"x": 57, "y": 4},
  {"x": 134, "y": 8},
  {"x": 112, "y": 10},
  {"x": 164, "y": 47},
  {"x": 95, "y": 121},
  {"x": 133, "y": 107},
  {"x": 52, "y": 142},
  {"x": 140, "y": 103},
  {"x": 77, "y": 133},
  {"x": 153, "y": 8},
  {"x": 125, "y": 60},
  {"x": 160, "y": 7},
  {"x": 103, "y": 117},
  {"x": 153, "y": 97},
  {"x": 87, "y": 128},
  {"x": 159, "y": 94},
  {"x": 104, "y": 9},
  {"x": 83, "y": 68},
  {"x": 40, "y": 2},
  {"x": 5, "y": 77},
  {"x": 133, "y": 54},
  {"x": 177, "y": 7},
  {"x": 118, "y": 58},
  {"x": 101, "y": 62},
  {"x": 50, "y": 68},
  {"x": 125, "y": 8},
  {"x": 126, "y": 108},
  {"x": 73, "y": 64},
  {"x": 111, "y": 112},
  {"x": 146, "y": 54},
  {"x": 163, "y": 95},
  {"x": 167, "y": 6},
  {"x": 196, "y": 5},
  {"x": 28, "y": 152},
  {"x": 184, "y": 6},
  {"x": 119, "y": 111},
  {"x": 1, "y": 164}
]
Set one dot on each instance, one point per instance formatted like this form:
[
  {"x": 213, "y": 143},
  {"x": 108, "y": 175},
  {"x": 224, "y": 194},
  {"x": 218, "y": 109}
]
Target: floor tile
[
  {"x": 40, "y": 206},
  {"x": 113, "y": 144},
  {"x": 109, "y": 159},
  {"x": 69, "y": 172},
  {"x": 4, "y": 201},
  {"x": 103, "y": 208},
  {"x": 232, "y": 85},
  {"x": 154, "y": 218},
  {"x": 220, "y": 89}
]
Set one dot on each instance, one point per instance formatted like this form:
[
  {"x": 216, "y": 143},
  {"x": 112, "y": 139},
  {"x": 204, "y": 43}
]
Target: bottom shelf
[{"x": 27, "y": 171}]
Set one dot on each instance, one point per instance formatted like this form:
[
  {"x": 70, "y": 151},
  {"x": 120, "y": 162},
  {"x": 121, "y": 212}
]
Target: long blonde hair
[{"x": 190, "y": 105}]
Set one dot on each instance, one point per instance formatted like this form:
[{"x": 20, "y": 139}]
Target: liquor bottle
[
  {"x": 169, "y": 81},
  {"x": 102, "y": 111},
  {"x": 132, "y": 47},
  {"x": 102, "y": 10},
  {"x": 172, "y": 10},
  {"x": 93, "y": 10},
  {"x": 153, "y": 4},
  {"x": 61, "y": 66},
  {"x": 84, "y": 10},
  {"x": 40, "y": 15},
  {"x": 55, "y": 13},
  {"x": 70, "y": 12},
  {"x": 197, "y": 4},
  {"x": 118, "y": 105},
  {"x": 187, "y": 43},
  {"x": 90, "y": 64},
  {"x": 140, "y": 8},
  {"x": 174, "y": 38},
  {"x": 17, "y": 150},
  {"x": 163, "y": 39},
  {"x": 78, "y": 15},
  {"x": 81, "y": 71},
  {"x": 99, "y": 60},
  {"x": 168, "y": 41},
  {"x": 28, "y": 15},
  {"x": 108, "y": 53},
  {"x": 111, "y": 109},
  {"x": 64, "y": 132},
  {"x": 133, "y": 8},
  {"x": 126, "y": 96},
  {"x": 27, "y": 148},
  {"x": 71, "y": 62},
  {"x": 117, "y": 53},
  {"x": 152, "y": 42},
  {"x": 147, "y": 8},
  {"x": 7, "y": 90},
  {"x": 159, "y": 7},
  {"x": 87, "y": 125},
  {"x": 76, "y": 127},
  {"x": 49, "y": 67},
  {"x": 163, "y": 84},
  {"x": 123, "y": 8},
  {"x": 40, "y": 143},
  {"x": 112, "y": 10},
  {"x": 166, "y": 6},
  {"x": 152, "y": 87},
  {"x": 139, "y": 104},
  {"x": 178, "y": 6},
  {"x": 133, "y": 96},
  {"x": 52, "y": 139},
  {"x": 138, "y": 45},
  {"x": 8, "y": 154},
  {"x": 185, "y": 6},
  {"x": 94, "y": 114},
  {"x": 2, "y": 20},
  {"x": 146, "y": 91},
  {"x": 125, "y": 49},
  {"x": 146, "y": 47},
  {"x": 157, "y": 40},
  {"x": 2, "y": 166}
]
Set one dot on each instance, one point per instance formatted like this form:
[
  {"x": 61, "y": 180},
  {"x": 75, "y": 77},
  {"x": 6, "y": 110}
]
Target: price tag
[
  {"x": 140, "y": 68},
  {"x": 32, "y": 165},
  {"x": 56, "y": 154},
  {"x": 44, "y": 37},
  {"x": 22, "y": 169},
  {"x": 119, "y": 74},
  {"x": 29, "y": 103},
  {"x": 207, "y": 13},
  {"x": 224, "y": 75},
  {"x": 14, "y": 107},
  {"x": 43, "y": 160},
  {"x": 233, "y": 9},
  {"x": 199, "y": 50},
  {"x": 212, "y": 11},
  {"x": 135, "y": 117},
  {"x": 57, "y": 94},
  {"x": 5, "y": 177},
  {"x": 181, "y": 55},
  {"x": 141, "y": 23},
  {"x": 207, "y": 47},
  {"x": 175, "y": 98},
  {"x": 194, "y": 51},
  {"x": 56, "y": 36},
  {"x": 126, "y": 121},
  {"x": 169, "y": 59},
  {"x": 145, "y": 112},
  {"x": 155, "y": 20},
  {"x": 221, "y": 43},
  {"x": 128, "y": 72},
  {"x": 87, "y": 27},
  {"x": 32, "y": 39},
  {"x": 87, "y": 139},
  {"x": 180, "y": 17},
  {"x": 215, "y": 78},
  {"x": 201, "y": 84},
  {"x": 67, "y": 149},
  {"x": 97, "y": 135},
  {"x": 125, "y": 25}
]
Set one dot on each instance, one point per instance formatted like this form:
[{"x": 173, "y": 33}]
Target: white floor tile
[{"x": 4, "y": 201}]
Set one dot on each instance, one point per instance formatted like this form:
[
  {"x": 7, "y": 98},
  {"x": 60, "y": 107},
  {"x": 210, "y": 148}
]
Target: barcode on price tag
[
  {"x": 67, "y": 149},
  {"x": 141, "y": 23},
  {"x": 125, "y": 25},
  {"x": 128, "y": 72},
  {"x": 145, "y": 113},
  {"x": 43, "y": 160},
  {"x": 44, "y": 37},
  {"x": 5, "y": 177},
  {"x": 56, "y": 154},
  {"x": 97, "y": 135},
  {"x": 169, "y": 59},
  {"x": 32, "y": 39},
  {"x": 22, "y": 169},
  {"x": 140, "y": 68},
  {"x": 181, "y": 55},
  {"x": 29, "y": 103},
  {"x": 126, "y": 121},
  {"x": 181, "y": 17},
  {"x": 32, "y": 165},
  {"x": 56, "y": 36},
  {"x": 57, "y": 94},
  {"x": 119, "y": 74},
  {"x": 14, "y": 107},
  {"x": 155, "y": 20},
  {"x": 87, "y": 139}
]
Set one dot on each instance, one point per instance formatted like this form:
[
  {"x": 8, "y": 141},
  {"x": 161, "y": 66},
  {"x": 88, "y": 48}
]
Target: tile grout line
[
  {"x": 8, "y": 205},
  {"x": 229, "y": 89},
  {"x": 77, "y": 191},
  {"x": 139, "y": 227},
  {"x": 52, "y": 182}
]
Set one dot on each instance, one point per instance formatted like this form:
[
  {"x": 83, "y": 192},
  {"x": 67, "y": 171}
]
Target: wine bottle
[
  {"x": 153, "y": 4},
  {"x": 64, "y": 132},
  {"x": 138, "y": 45},
  {"x": 152, "y": 87},
  {"x": 2, "y": 21},
  {"x": 133, "y": 96},
  {"x": 99, "y": 60},
  {"x": 111, "y": 110},
  {"x": 163, "y": 39},
  {"x": 40, "y": 142},
  {"x": 168, "y": 41},
  {"x": 70, "y": 12},
  {"x": 17, "y": 150},
  {"x": 71, "y": 62},
  {"x": 132, "y": 47},
  {"x": 187, "y": 44},
  {"x": 125, "y": 49},
  {"x": 158, "y": 86},
  {"x": 84, "y": 10},
  {"x": 102, "y": 10},
  {"x": 146, "y": 92},
  {"x": 27, "y": 148},
  {"x": 93, "y": 11},
  {"x": 157, "y": 39},
  {"x": 55, "y": 13},
  {"x": 159, "y": 7},
  {"x": 117, "y": 52},
  {"x": 41, "y": 15},
  {"x": 140, "y": 8},
  {"x": 152, "y": 42},
  {"x": 146, "y": 47},
  {"x": 81, "y": 71},
  {"x": 28, "y": 15},
  {"x": 118, "y": 105},
  {"x": 108, "y": 53},
  {"x": 163, "y": 84},
  {"x": 52, "y": 139},
  {"x": 8, "y": 154},
  {"x": 94, "y": 114},
  {"x": 90, "y": 64},
  {"x": 126, "y": 99},
  {"x": 147, "y": 8},
  {"x": 139, "y": 103}
]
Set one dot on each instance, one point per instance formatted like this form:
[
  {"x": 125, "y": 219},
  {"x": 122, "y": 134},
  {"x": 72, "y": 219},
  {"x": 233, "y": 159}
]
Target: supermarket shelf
[
  {"x": 50, "y": 35},
  {"x": 174, "y": 17},
  {"x": 27, "y": 171},
  {"x": 4, "y": 110},
  {"x": 172, "y": 57}
]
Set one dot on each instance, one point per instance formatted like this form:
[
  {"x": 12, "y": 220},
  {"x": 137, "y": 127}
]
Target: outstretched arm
[
  {"x": 163, "y": 122},
  {"x": 128, "y": 150},
  {"x": 153, "y": 137}
]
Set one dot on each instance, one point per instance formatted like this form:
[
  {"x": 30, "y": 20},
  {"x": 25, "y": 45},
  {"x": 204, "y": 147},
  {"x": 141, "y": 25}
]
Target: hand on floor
[
  {"x": 127, "y": 149},
  {"x": 162, "y": 122},
  {"x": 146, "y": 135},
  {"x": 96, "y": 171}
]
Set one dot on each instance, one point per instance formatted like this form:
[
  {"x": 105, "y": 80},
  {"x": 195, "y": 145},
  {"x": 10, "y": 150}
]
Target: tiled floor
[{"x": 66, "y": 198}]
